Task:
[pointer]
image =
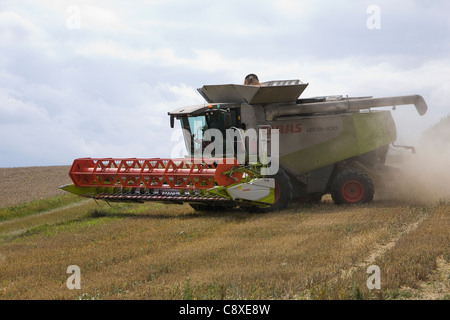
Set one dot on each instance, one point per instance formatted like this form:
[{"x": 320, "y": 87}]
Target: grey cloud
[{"x": 105, "y": 89}]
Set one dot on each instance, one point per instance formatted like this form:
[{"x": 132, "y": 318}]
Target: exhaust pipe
[{"x": 345, "y": 105}]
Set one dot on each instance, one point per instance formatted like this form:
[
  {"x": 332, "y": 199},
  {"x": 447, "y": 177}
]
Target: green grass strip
[{"x": 37, "y": 206}]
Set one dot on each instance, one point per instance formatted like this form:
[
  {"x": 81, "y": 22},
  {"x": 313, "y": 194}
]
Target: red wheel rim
[
  {"x": 352, "y": 191},
  {"x": 277, "y": 192}
]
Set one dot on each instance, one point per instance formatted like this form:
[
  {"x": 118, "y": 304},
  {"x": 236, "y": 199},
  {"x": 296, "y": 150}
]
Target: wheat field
[{"x": 165, "y": 251}]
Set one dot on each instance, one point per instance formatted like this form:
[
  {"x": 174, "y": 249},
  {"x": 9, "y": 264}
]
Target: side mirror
[{"x": 172, "y": 121}]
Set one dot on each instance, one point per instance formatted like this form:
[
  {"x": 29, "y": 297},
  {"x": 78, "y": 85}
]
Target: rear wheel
[{"x": 352, "y": 187}]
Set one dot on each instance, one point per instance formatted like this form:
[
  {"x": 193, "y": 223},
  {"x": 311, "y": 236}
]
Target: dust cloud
[{"x": 423, "y": 176}]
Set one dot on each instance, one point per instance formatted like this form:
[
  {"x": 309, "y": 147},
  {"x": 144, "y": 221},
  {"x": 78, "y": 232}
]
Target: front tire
[
  {"x": 352, "y": 187},
  {"x": 283, "y": 192}
]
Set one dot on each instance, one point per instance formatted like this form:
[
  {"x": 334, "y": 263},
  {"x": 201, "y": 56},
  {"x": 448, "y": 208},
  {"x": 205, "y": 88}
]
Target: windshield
[{"x": 197, "y": 126}]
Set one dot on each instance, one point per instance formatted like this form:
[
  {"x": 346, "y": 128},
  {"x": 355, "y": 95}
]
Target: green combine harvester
[{"x": 259, "y": 148}]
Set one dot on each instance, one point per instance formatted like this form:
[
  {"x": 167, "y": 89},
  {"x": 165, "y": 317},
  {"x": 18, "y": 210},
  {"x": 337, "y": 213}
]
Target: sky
[{"x": 83, "y": 78}]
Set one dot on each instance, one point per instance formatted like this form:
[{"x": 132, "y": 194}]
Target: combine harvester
[{"x": 268, "y": 148}]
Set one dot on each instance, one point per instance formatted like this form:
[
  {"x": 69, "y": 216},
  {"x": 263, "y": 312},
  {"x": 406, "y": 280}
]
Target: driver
[{"x": 252, "y": 80}]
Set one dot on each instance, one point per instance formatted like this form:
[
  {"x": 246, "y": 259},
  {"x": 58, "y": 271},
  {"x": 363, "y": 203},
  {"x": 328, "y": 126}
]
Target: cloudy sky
[{"x": 96, "y": 78}]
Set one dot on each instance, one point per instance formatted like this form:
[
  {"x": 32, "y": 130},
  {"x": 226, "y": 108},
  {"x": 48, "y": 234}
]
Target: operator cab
[
  {"x": 197, "y": 120},
  {"x": 222, "y": 111}
]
